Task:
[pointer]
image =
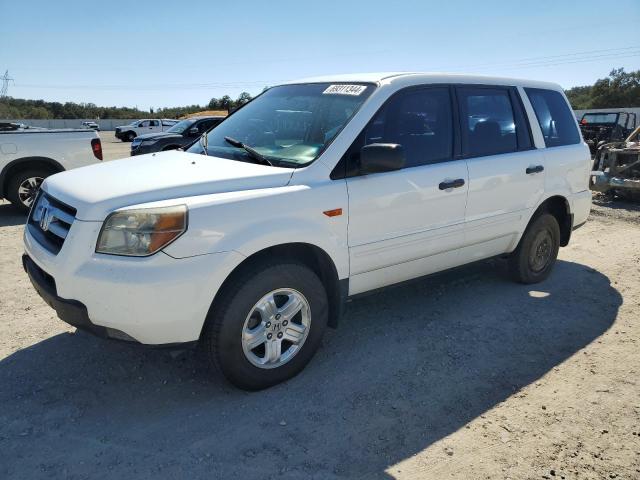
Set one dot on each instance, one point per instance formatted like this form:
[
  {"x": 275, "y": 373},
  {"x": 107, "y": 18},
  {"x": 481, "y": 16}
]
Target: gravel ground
[{"x": 462, "y": 375}]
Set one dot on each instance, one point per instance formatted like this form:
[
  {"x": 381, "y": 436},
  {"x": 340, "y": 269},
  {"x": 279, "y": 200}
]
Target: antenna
[{"x": 5, "y": 84}]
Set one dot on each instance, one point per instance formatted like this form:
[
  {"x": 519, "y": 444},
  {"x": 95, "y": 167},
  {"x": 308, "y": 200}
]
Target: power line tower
[{"x": 5, "y": 84}]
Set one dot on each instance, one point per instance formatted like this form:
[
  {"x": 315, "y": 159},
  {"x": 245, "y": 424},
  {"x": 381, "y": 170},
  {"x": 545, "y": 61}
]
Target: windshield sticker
[{"x": 344, "y": 90}]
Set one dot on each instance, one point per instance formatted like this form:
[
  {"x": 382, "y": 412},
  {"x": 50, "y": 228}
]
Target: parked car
[
  {"x": 91, "y": 125},
  {"x": 251, "y": 241},
  {"x": 28, "y": 156},
  {"x": 127, "y": 133},
  {"x": 181, "y": 134},
  {"x": 599, "y": 128}
]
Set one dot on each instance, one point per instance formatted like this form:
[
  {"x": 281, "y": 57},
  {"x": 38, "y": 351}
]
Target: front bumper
[
  {"x": 141, "y": 149},
  {"x": 157, "y": 300},
  {"x": 70, "y": 311}
]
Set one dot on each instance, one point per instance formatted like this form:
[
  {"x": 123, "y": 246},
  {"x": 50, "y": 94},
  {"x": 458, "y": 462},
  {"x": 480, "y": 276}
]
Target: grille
[{"x": 50, "y": 221}]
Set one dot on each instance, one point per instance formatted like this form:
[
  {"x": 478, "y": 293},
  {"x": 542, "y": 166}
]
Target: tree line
[
  {"x": 18, "y": 108},
  {"x": 619, "y": 89}
]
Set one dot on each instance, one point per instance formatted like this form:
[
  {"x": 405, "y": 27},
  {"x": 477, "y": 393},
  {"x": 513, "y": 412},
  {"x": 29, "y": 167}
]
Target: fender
[
  {"x": 24, "y": 162},
  {"x": 255, "y": 220}
]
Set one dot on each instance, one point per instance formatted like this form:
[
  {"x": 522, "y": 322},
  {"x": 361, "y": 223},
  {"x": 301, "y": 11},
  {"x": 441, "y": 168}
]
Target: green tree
[
  {"x": 243, "y": 98},
  {"x": 619, "y": 89}
]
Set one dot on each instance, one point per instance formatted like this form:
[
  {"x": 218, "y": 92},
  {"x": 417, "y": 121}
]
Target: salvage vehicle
[
  {"x": 599, "y": 128},
  {"x": 127, "y": 133},
  {"x": 252, "y": 240},
  {"x": 182, "y": 134},
  {"x": 29, "y": 155},
  {"x": 616, "y": 169}
]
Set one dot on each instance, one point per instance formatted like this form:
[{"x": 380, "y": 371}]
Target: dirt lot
[
  {"x": 112, "y": 148},
  {"x": 462, "y": 375}
]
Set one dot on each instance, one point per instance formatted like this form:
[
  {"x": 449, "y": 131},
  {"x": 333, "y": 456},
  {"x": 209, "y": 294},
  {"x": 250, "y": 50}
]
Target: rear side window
[
  {"x": 554, "y": 116},
  {"x": 419, "y": 120},
  {"x": 488, "y": 121}
]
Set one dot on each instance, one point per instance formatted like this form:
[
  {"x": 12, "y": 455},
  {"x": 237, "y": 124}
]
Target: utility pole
[{"x": 5, "y": 84}]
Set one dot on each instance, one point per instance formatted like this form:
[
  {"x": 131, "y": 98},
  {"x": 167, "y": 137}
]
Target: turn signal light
[{"x": 336, "y": 212}]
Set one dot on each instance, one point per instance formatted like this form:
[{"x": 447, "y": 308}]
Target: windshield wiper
[
  {"x": 204, "y": 143},
  {"x": 252, "y": 153}
]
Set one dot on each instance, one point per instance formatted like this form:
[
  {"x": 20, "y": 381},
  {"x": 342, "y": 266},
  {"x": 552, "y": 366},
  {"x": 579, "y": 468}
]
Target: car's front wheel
[{"x": 267, "y": 324}]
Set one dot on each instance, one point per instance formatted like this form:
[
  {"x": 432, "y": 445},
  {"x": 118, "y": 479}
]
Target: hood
[
  {"x": 98, "y": 189},
  {"x": 157, "y": 136}
]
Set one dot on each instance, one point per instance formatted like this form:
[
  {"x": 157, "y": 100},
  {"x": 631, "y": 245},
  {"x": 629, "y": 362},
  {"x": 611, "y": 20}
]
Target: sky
[{"x": 170, "y": 53}]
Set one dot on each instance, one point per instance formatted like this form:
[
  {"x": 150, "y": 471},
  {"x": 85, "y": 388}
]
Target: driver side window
[{"x": 421, "y": 121}]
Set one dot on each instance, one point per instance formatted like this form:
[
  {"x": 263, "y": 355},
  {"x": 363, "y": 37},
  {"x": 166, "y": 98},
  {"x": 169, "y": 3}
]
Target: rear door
[
  {"x": 506, "y": 172},
  {"x": 407, "y": 223}
]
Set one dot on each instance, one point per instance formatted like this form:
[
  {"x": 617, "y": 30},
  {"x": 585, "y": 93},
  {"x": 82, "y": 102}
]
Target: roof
[{"x": 409, "y": 78}]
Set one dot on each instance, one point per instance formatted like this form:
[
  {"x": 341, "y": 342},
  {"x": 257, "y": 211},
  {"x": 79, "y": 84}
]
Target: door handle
[
  {"x": 536, "y": 169},
  {"x": 447, "y": 184}
]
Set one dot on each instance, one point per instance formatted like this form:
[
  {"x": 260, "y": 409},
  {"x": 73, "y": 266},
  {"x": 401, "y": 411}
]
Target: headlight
[{"x": 141, "y": 232}]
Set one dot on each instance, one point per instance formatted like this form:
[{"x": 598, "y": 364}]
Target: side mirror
[
  {"x": 193, "y": 131},
  {"x": 381, "y": 157}
]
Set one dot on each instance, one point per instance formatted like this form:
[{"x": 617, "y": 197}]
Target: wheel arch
[
  {"x": 25, "y": 163},
  {"x": 559, "y": 207},
  {"x": 308, "y": 254}
]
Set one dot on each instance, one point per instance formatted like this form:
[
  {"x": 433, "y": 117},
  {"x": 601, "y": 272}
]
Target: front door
[{"x": 408, "y": 223}]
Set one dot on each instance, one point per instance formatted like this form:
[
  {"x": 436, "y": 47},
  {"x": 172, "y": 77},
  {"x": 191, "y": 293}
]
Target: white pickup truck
[
  {"x": 28, "y": 156},
  {"x": 127, "y": 133}
]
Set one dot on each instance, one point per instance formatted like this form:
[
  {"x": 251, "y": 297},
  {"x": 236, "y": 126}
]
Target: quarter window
[
  {"x": 556, "y": 120},
  {"x": 420, "y": 121},
  {"x": 488, "y": 124}
]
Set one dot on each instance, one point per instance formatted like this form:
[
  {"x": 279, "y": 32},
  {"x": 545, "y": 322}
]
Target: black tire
[
  {"x": 170, "y": 147},
  {"x": 536, "y": 254},
  {"x": 222, "y": 335},
  {"x": 15, "y": 196},
  {"x": 130, "y": 136}
]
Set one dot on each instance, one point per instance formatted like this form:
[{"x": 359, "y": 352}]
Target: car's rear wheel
[
  {"x": 24, "y": 186},
  {"x": 536, "y": 254},
  {"x": 266, "y": 325}
]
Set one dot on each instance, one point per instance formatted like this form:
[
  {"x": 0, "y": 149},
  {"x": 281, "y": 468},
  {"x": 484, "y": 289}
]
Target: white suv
[{"x": 251, "y": 241}]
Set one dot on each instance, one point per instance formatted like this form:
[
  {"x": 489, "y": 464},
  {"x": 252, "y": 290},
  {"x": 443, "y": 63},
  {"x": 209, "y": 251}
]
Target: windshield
[
  {"x": 588, "y": 118},
  {"x": 290, "y": 125},
  {"x": 181, "y": 126}
]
